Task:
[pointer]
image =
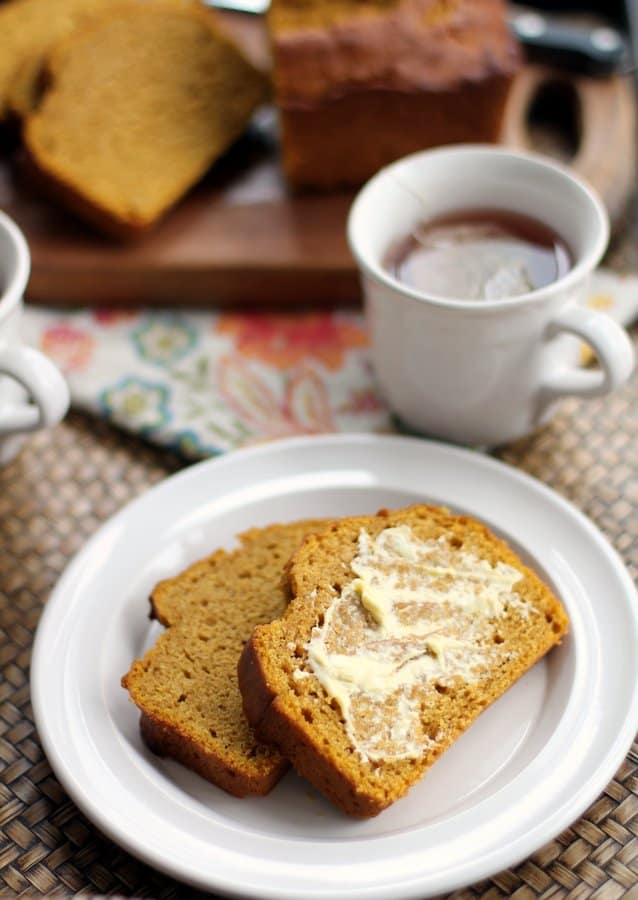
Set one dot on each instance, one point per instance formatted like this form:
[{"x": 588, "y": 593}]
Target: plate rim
[{"x": 136, "y": 846}]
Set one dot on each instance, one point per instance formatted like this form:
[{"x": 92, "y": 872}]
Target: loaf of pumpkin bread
[{"x": 359, "y": 85}]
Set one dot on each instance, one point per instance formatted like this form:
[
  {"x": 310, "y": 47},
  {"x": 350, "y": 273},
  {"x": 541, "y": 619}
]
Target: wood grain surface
[{"x": 241, "y": 237}]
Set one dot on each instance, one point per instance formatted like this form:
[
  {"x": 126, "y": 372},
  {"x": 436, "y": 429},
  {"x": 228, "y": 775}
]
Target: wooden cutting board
[{"x": 241, "y": 238}]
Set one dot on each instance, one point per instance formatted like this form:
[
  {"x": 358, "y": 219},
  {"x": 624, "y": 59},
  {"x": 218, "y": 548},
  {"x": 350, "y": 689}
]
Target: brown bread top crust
[
  {"x": 137, "y": 107},
  {"x": 323, "y": 50},
  {"x": 296, "y": 714},
  {"x": 185, "y": 686}
]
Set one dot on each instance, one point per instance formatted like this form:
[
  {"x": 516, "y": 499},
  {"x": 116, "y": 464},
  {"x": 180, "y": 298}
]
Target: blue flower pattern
[
  {"x": 137, "y": 403},
  {"x": 165, "y": 340},
  {"x": 188, "y": 443}
]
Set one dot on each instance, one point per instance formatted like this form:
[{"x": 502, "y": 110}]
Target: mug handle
[
  {"x": 611, "y": 345},
  {"x": 44, "y": 383}
]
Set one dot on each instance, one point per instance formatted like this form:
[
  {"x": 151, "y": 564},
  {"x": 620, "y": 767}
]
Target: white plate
[{"x": 528, "y": 767}]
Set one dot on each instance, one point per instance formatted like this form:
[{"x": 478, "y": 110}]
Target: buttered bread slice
[
  {"x": 186, "y": 685},
  {"x": 403, "y": 627}
]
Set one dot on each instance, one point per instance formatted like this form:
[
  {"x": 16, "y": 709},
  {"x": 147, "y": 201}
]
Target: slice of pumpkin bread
[
  {"x": 137, "y": 107},
  {"x": 28, "y": 31},
  {"x": 402, "y": 628},
  {"x": 186, "y": 684}
]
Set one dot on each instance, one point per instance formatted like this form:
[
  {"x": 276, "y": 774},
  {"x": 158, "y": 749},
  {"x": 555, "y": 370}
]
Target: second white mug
[{"x": 33, "y": 393}]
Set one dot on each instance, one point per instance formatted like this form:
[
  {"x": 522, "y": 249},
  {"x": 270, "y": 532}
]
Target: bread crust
[
  {"x": 60, "y": 190},
  {"x": 166, "y": 740},
  {"x": 401, "y": 46}
]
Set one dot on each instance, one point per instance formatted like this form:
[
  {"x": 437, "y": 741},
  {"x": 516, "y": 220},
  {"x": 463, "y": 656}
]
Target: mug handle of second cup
[
  {"x": 43, "y": 382},
  {"x": 609, "y": 342}
]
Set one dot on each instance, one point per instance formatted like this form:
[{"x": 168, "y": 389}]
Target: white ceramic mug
[
  {"x": 33, "y": 393},
  {"x": 483, "y": 372}
]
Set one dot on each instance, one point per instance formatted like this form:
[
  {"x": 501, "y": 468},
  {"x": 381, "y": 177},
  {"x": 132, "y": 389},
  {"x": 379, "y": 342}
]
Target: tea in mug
[{"x": 479, "y": 254}]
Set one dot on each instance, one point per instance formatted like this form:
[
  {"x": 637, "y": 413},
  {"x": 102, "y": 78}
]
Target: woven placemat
[{"x": 67, "y": 481}]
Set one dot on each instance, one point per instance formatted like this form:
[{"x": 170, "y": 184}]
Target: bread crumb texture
[
  {"x": 186, "y": 684},
  {"x": 137, "y": 107},
  {"x": 403, "y": 627}
]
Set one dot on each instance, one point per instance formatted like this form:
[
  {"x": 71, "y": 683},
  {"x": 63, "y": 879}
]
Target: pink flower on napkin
[
  {"x": 303, "y": 407},
  {"x": 362, "y": 401},
  {"x": 70, "y": 347},
  {"x": 284, "y": 341}
]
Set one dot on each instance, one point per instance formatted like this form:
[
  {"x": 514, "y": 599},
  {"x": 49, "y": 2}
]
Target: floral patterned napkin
[{"x": 203, "y": 383}]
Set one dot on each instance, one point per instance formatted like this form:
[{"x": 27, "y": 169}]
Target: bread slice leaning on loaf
[
  {"x": 186, "y": 685},
  {"x": 137, "y": 107},
  {"x": 403, "y": 627}
]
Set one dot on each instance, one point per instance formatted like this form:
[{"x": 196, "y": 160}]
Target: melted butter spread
[{"x": 417, "y": 615}]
